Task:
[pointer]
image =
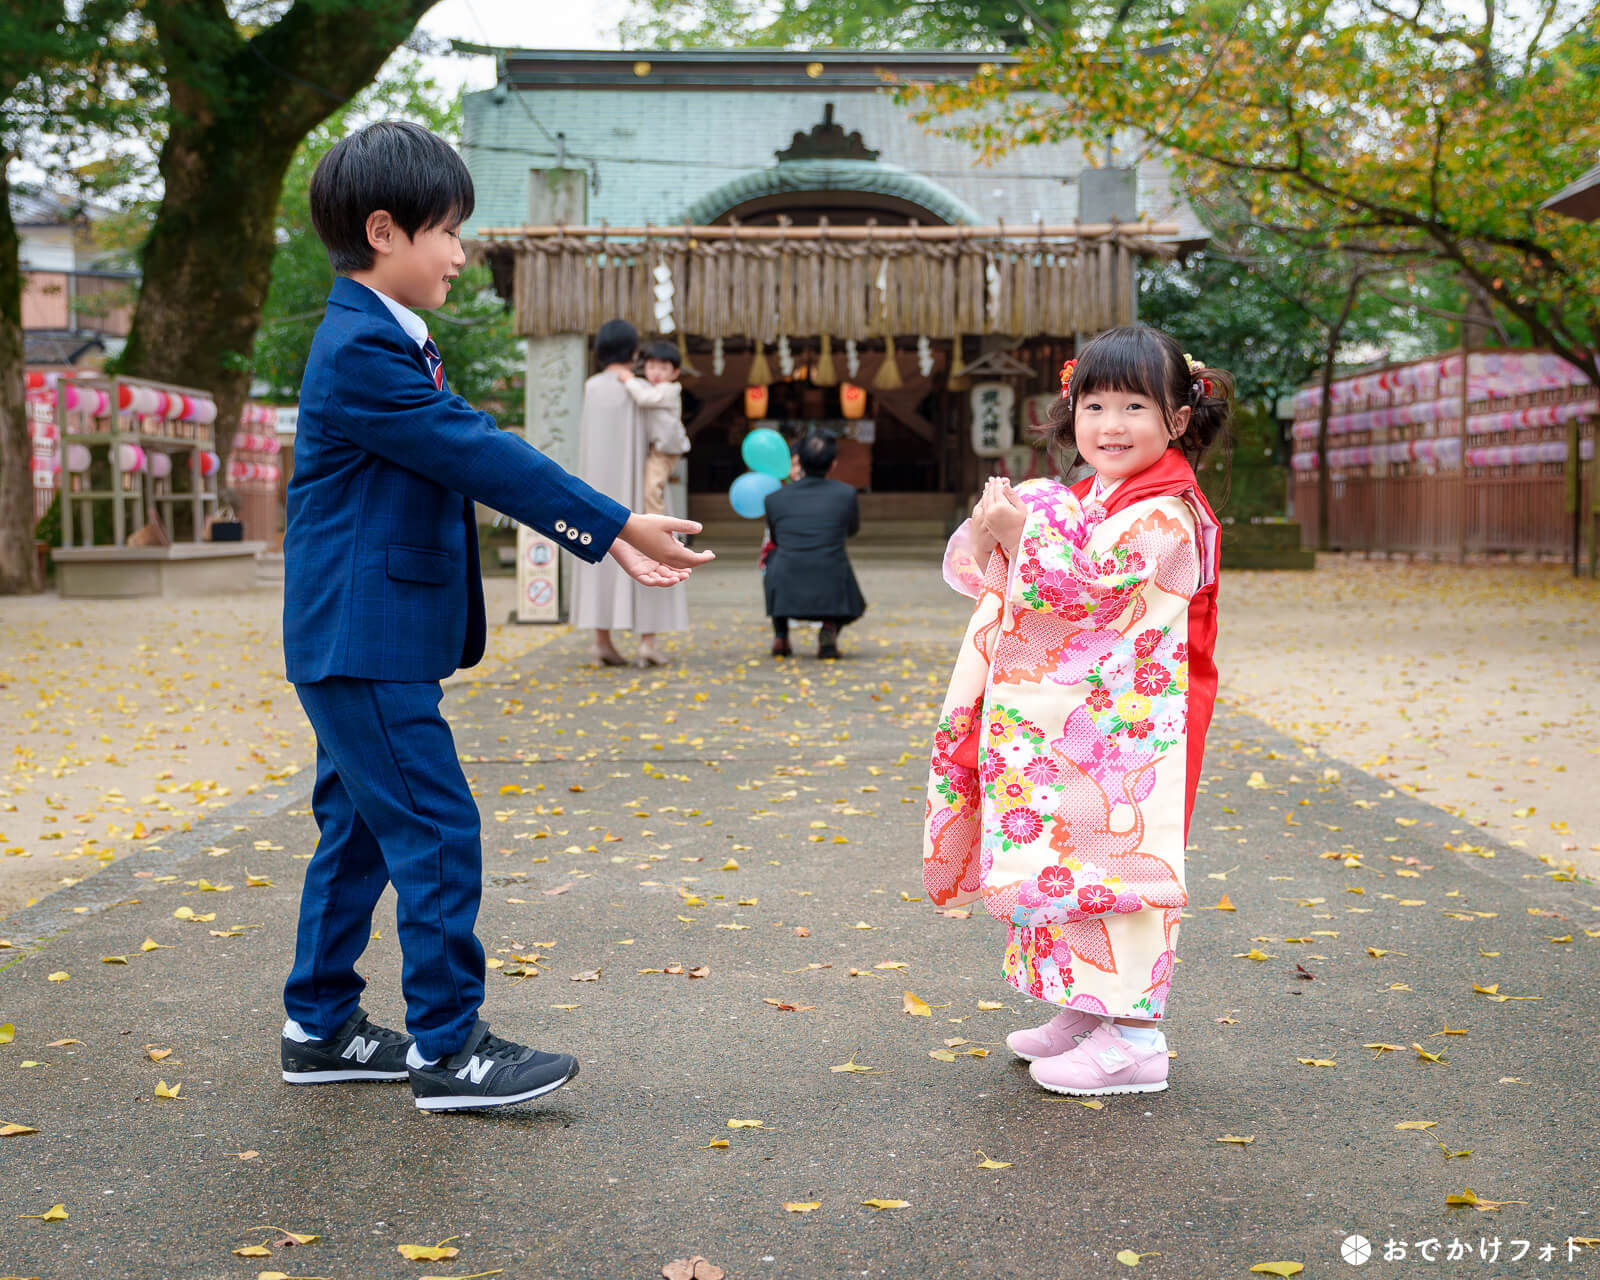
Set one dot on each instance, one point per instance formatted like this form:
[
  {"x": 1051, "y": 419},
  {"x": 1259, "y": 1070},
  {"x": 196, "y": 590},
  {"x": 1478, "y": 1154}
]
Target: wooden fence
[{"x": 1409, "y": 472}]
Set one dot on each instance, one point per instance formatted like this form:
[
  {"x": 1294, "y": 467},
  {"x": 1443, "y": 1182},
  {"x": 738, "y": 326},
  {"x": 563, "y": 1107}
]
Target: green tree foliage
[
  {"x": 473, "y": 330},
  {"x": 1428, "y": 136},
  {"x": 857, "y": 24}
]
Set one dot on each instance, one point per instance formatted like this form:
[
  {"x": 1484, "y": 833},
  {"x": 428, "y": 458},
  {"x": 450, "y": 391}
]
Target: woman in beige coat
[{"x": 612, "y": 444}]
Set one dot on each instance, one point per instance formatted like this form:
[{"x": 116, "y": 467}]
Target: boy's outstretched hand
[{"x": 649, "y": 554}]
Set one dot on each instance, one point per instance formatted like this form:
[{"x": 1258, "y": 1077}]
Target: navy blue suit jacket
[{"x": 381, "y": 576}]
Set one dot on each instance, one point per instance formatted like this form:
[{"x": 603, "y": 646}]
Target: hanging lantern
[
  {"x": 852, "y": 400},
  {"x": 755, "y": 402}
]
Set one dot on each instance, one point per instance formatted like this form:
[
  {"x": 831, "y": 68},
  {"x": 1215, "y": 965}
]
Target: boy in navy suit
[{"x": 383, "y": 598}]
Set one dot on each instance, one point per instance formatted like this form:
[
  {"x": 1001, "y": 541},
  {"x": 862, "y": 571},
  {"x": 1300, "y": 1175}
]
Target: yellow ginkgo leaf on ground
[
  {"x": 916, "y": 1006},
  {"x": 887, "y": 1204},
  {"x": 8, "y": 1033},
  {"x": 163, "y": 1091},
  {"x": 987, "y": 1163},
  {"x": 746, "y": 1124},
  {"x": 60, "y": 975},
  {"x": 1279, "y": 1268},
  {"x": 253, "y": 1251},
  {"x": 256, "y": 882},
  {"x": 1243, "y": 1142},
  {"x": 113, "y": 959},
  {"x": 55, "y": 1213},
  {"x": 1416, "y": 1124},
  {"x": 150, "y": 944},
  {"x": 989, "y": 1006},
  {"x": 1128, "y": 1258},
  {"x": 1425, "y": 1056},
  {"x": 1316, "y": 1062},
  {"x": 802, "y": 1206},
  {"x": 730, "y": 865},
  {"x": 1255, "y": 953},
  {"x": 1469, "y": 1197},
  {"x": 716, "y": 1144},
  {"x": 441, "y": 1252},
  {"x": 15, "y": 1130},
  {"x": 852, "y": 1068},
  {"x": 1224, "y": 904}
]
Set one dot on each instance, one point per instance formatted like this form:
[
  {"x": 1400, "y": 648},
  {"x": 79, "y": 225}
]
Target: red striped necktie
[{"x": 435, "y": 362}]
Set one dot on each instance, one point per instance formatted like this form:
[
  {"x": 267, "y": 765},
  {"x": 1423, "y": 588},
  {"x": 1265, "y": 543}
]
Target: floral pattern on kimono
[{"x": 1069, "y": 820}]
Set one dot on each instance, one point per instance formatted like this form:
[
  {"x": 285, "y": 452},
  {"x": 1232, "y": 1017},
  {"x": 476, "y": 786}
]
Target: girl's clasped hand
[{"x": 998, "y": 518}]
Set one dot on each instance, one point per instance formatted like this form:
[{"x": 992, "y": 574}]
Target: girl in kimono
[{"x": 1070, "y": 743}]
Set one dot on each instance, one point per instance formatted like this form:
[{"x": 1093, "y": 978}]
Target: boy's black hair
[
  {"x": 1138, "y": 360},
  {"x": 665, "y": 351},
  {"x": 394, "y": 165},
  {"x": 616, "y": 343},
  {"x": 817, "y": 452}
]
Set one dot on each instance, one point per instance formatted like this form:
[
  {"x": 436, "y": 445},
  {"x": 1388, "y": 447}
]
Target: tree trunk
[
  {"x": 19, "y": 566},
  {"x": 240, "y": 108},
  {"x": 207, "y": 266}
]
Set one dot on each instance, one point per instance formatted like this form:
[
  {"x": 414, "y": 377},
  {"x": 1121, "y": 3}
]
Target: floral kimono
[{"x": 1069, "y": 747}]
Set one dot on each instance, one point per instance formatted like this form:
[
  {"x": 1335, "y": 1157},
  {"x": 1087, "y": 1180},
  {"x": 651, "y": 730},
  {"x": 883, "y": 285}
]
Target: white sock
[
  {"x": 292, "y": 1030},
  {"x": 1144, "y": 1037},
  {"x": 415, "y": 1059}
]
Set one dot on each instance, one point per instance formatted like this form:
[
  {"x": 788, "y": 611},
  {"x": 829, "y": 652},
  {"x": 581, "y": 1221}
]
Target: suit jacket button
[
  {"x": 585, "y": 539},
  {"x": 561, "y": 526},
  {"x": 572, "y": 533}
]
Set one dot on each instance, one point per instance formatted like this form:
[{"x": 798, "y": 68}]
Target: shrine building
[{"x": 819, "y": 256}]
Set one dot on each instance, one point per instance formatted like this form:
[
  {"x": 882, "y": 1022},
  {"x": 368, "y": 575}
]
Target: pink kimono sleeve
[{"x": 961, "y": 568}]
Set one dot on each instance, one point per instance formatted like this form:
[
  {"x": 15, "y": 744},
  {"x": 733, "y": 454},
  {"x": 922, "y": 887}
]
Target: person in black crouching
[{"x": 808, "y": 572}]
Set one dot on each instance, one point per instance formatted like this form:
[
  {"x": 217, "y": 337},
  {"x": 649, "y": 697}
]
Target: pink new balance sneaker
[
  {"x": 1058, "y": 1035},
  {"x": 1103, "y": 1062}
]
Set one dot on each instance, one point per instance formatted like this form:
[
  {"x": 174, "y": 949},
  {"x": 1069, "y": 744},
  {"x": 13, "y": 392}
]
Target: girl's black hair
[
  {"x": 664, "y": 351},
  {"x": 392, "y": 165},
  {"x": 616, "y": 343},
  {"x": 1138, "y": 360}
]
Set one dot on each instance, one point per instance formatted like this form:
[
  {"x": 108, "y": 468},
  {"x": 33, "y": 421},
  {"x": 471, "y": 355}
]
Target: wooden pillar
[{"x": 556, "y": 369}]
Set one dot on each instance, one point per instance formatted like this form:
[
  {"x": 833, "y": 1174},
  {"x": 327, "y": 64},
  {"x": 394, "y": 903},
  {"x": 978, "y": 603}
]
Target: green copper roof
[{"x": 832, "y": 175}]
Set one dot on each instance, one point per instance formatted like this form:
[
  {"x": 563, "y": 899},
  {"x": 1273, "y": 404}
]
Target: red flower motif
[
  {"x": 1151, "y": 679},
  {"x": 1036, "y": 989},
  {"x": 965, "y": 786},
  {"x": 1095, "y": 898},
  {"x": 1140, "y": 729},
  {"x": 1099, "y": 700},
  {"x": 1074, "y": 612},
  {"x": 992, "y": 767},
  {"x": 1134, "y": 563},
  {"x": 1055, "y": 882},
  {"x": 1051, "y": 597},
  {"x": 1041, "y": 771},
  {"x": 1147, "y": 643},
  {"x": 1022, "y": 825},
  {"x": 1181, "y": 653}
]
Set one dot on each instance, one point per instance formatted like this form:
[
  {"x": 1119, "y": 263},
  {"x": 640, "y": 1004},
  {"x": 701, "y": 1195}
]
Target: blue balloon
[
  {"x": 749, "y": 493},
  {"x": 766, "y": 451}
]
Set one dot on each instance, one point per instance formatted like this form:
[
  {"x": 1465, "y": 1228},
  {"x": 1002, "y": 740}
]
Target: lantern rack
[{"x": 152, "y": 419}]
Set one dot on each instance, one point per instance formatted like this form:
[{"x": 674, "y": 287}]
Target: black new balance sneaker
[
  {"x": 489, "y": 1072},
  {"x": 359, "y": 1050}
]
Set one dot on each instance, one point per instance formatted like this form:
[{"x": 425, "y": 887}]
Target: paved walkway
[{"x": 762, "y": 821}]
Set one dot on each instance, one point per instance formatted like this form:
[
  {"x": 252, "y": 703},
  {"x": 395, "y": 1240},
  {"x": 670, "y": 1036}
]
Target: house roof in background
[
  {"x": 36, "y": 207},
  {"x": 817, "y": 70},
  {"x": 655, "y": 152},
  {"x": 1580, "y": 199}
]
